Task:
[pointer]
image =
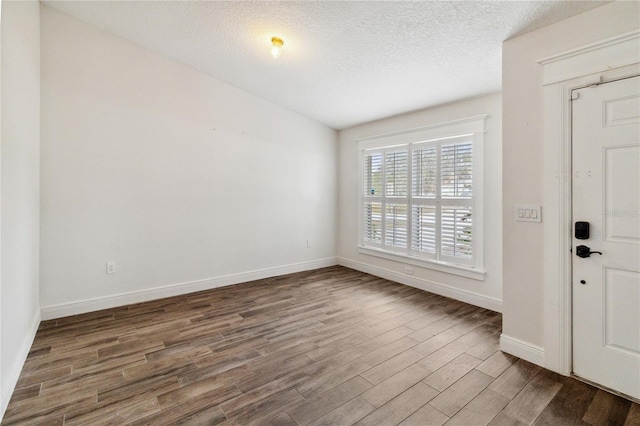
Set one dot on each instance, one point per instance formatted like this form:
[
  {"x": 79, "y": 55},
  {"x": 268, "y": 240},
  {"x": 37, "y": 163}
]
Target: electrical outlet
[
  {"x": 308, "y": 243},
  {"x": 408, "y": 270},
  {"x": 111, "y": 267}
]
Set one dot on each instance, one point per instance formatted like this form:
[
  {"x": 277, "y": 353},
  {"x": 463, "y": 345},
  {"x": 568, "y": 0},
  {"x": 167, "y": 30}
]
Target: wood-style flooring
[{"x": 326, "y": 347}]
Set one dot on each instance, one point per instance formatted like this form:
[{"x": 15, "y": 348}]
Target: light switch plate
[{"x": 528, "y": 213}]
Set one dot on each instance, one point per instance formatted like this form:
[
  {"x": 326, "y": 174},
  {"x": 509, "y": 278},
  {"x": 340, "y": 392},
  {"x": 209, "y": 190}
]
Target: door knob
[{"x": 584, "y": 251}]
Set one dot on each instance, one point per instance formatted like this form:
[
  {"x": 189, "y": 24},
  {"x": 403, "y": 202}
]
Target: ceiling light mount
[{"x": 276, "y": 47}]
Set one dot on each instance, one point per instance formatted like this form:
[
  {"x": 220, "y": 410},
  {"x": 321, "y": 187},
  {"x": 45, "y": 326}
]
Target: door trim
[
  {"x": 614, "y": 52},
  {"x": 586, "y": 65}
]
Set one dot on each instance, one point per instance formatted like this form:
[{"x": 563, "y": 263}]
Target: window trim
[
  {"x": 408, "y": 139},
  {"x": 449, "y": 268}
]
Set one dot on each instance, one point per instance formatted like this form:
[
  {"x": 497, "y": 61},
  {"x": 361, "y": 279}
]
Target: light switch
[{"x": 528, "y": 213}]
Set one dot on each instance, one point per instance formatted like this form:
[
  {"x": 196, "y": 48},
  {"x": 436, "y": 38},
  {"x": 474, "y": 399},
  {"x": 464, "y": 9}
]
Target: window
[{"x": 422, "y": 195}]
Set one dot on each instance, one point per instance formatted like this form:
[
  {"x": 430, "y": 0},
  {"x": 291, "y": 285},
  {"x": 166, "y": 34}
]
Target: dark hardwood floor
[{"x": 326, "y": 347}]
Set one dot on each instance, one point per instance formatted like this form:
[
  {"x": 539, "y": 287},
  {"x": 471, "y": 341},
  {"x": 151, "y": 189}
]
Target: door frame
[{"x": 597, "y": 63}]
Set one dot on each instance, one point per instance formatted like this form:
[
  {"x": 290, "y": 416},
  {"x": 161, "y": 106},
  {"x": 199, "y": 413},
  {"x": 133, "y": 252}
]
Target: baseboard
[
  {"x": 90, "y": 305},
  {"x": 11, "y": 377},
  {"x": 466, "y": 296},
  {"x": 522, "y": 349}
]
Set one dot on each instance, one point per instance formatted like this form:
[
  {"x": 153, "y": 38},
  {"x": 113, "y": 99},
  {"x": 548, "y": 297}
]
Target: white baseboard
[
  {"x": 90, "y": 305},
  {"x": 11, "y": 377},
  {"x": 522, "y": 349},
  {"x": 427, "y": 285}
]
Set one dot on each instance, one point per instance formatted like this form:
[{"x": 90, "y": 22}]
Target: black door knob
[{"x": 584, "y": 251}]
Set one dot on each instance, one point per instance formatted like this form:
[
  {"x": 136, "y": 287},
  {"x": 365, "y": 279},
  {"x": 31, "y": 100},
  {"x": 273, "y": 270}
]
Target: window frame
[{"x": 471, "y": 129}]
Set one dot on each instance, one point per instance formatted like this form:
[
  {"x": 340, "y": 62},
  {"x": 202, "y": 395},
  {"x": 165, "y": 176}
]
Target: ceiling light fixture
[{"x": 276, "y": 49}]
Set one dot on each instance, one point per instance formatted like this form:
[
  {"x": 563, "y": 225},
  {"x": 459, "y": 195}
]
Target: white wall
[
  {"x": 523, "y": 156},
  {"x": 175, "y": 176},
  {"x": 19, "y": 166},
  {"x": 487, "y": 293}
]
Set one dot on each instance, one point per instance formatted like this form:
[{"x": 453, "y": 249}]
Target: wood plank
[
  {"x": 25, "y": 393},
  {"x": 633, "y": 418},
  {"x": 387, "y": 338},
  {"x": 235, "y": 374},
  {"x": 437, "y": 342},
  {"x": 427, "y": 415},
  {"x": 392, "y": 366},
  {"x": 395, "y": 385},
  {"x": 281, "y": 420},
  {"x": 483, "y": 333},
  {"x": 442, "y": 356},
  {"x": 401, "y": 406},
  {"x": 496, "y": 364},
  {"x": 452, "y": 372},
  {"x": 607, "y": 409},
  {"x": 431, "y": 330},
  {"x": 389, "y": 351},
  {"x": 211, "y": 388},
  {"x": 162, "y": 367},
  {"x": 79, "y": 383},
  {"x": 266, "y": 408},
  {"x": 335, "y": 361},
  {"x": 97, "y": 366},
  {"x": 480, "y": 410},
  {"x": 267, "y": 369},
  {"x": 532, "y": 400},
  {"x": 460, "y": 393},
  {"x": 53, "y": 420},
  {"x": 330, "y": 348},
  {"x": 333, "y": 378},
  {"x": 238, "y": 404},
  {"x": 503, "y": 419},
  {"x": 514, "y": 378},
  {"x": 346, "y": 414},
  {"x": 59, "y": 359},
  {"x": 562, "y": 412},
  {"x": 44, "y": 407},
  {"x": 328, "y": 401},
  {"x": 143, "y": 388},
  {"x": 117, "y": 414},
  {"x": 42, "y": 376},
  {"x": 486, "y": 348},
  {"x": 572, "y": 389},
  {"x": 207, "y": 417},
  {"x": 134, "y": 346}
]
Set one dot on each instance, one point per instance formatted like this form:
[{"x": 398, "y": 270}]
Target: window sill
[{"x": 448, "y": 268}]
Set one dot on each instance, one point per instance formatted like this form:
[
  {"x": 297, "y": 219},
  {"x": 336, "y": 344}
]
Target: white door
[{"x": 606, "y": 194}]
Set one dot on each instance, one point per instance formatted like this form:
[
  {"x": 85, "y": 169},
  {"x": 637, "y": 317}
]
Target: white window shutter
[
  {"x": 423, "y": 229},
  {"x": 396, "y": 173},
  {"x": 457, "y": 234},
  {"x": 396, "y": 225},
  {"x": 456, "y": 170},
  {"x": 373, "y": 174},
  {"x": 424, "y": 172},
  {"x": 372, "y": 231},
  {"x": 419, "y": 198}
]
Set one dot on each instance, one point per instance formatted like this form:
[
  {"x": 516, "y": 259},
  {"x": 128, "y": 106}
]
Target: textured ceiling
[{"x": 344, "y": 62}]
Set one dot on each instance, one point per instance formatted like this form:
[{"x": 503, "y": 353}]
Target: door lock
[
  {"x": 582, "y": 230},
  {"x": 584, "y": 252}
]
